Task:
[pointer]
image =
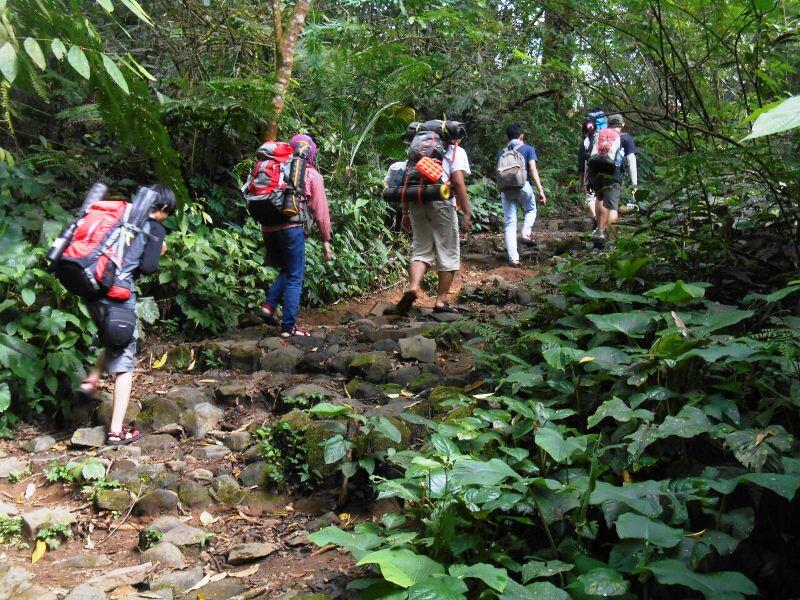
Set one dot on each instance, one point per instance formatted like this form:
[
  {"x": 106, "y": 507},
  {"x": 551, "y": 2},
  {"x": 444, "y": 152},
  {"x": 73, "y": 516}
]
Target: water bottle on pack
[{"x": 96, "y": 193}]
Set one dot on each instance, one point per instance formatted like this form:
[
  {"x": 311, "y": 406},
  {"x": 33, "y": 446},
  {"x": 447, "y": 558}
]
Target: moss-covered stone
[
  {"x": 377, "y": 443},
  {"x": 180, "y": 356},
  {"x": 363, "y": 390},
  {"x": 193, "y": 493},
  {"x": 296, "y": 419},
  {"x": 460, "y": 412},
  {"x": 373, "y": 366},
  {"x": 113, "y": 500},
  {"x": 442, "y": 393},
  {"x": 317, "y": 432},
  {"x": 423, "y": 382}
]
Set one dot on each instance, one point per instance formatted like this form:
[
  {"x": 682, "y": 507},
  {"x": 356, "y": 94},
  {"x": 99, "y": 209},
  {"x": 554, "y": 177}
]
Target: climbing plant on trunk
[{"x": 286, "y": 36}]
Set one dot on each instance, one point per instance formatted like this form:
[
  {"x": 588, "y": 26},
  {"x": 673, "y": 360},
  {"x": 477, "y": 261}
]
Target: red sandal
[{"x": 126, "y": 436}]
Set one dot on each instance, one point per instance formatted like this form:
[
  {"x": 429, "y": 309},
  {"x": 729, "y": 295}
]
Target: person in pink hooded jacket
[{"x": 286, "y": 249}]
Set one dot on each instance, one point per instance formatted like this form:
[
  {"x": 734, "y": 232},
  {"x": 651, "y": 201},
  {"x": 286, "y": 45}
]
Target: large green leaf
[
  {"x": 643, "y": 497},
  {"x": 5, "y": 397},
  {"x": 475, "y": 472},
  {"x": 774, "y": 296},
  {"x": 113, "y": 71},
  {"x": 137, "y": 9},
  {"x": 387, "y": 429},
  {"x": 438, "y": 587},
  {"x": 580, "y": 289},
  {"x": 559, "y": 448},
  {"x": 335, "y": 448},
  {"x": 403, "y": 567},
  {"x": 328, "y": 410},
  {"x": 541, "y": 590},
  {"x": 8, "y": 62},
  {"x": 689, "y": 422},
  {"x": 558, "y": 356},
  {"x": 535, "y": 568},
  {"x": 633, "y": 323},
  {"x": 35, "y": 52},
  {"x": 601, "y": 581},
  {"x": 678, "y": 292},
  {"x": 492, "y": 576},
  {"x": 58, "y": 48},
  {"x": 351, "y": 540},
  {"x": 777, "y": 118},
  {"x": 619, "y": 411},
  {"x": 712, "y": 585},
  {"x": 79, "y": 62},
  {"x": 633, "y": 526}
]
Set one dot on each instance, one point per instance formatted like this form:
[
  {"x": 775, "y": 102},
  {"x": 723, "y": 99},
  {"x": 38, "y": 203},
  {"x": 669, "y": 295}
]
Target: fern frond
[
  {"x": 86, "y": 114},
  {"x": 39, "y": 86}
]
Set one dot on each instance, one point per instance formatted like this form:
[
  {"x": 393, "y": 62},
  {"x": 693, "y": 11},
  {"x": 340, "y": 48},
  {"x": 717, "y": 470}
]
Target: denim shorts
[{"x": 118, "y": 360}]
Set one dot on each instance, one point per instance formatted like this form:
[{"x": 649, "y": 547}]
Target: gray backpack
[{"x": 512, "y": 172}]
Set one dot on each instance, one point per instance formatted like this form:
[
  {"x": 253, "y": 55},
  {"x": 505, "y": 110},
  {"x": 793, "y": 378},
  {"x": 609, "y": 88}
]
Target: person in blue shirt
[{"x": 523, "y": 197}]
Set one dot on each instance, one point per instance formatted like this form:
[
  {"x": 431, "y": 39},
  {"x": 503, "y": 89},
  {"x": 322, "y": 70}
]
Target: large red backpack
[
  {"x": 91, "y": 264},
  {"x": 275, "y": 189}
]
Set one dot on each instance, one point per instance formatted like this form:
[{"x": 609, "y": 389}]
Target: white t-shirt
[{"x": 455, "y": 159}]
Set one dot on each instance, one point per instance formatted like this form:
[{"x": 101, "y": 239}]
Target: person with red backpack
[
  {"x": 285, "y": 236},
  {"x": 115, "y": 249},
  {"x": 613, "y": 152}
]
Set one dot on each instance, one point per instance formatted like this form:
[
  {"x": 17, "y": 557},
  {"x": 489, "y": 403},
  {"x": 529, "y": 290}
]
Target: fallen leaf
[
  {"x": 89, "y": 543},
  {"x": 696, "y": 535},
  {"x": 38, "y": 552},
  {"x": 483, "y": 396},
  {"x": 199, "y": 584},
  {"x": 679, "y": 323},
  {"x": 208, "y": 381},
  {"x": 406, "y": 394},
  {"x": 30, "y": 490},
  {"x": 246, "y": 572},
  {"x": 762, "y": 436},
  {"x": 191, "y": 365},
  {"x": 392, "y": 396},
  {"x": 123, "y": 591},
  {"x": 160, "y": 362},
  {"x": 626, "y": 476},
  {"x": 206, "y": 518},
  {"x": 586, "y": 359}
]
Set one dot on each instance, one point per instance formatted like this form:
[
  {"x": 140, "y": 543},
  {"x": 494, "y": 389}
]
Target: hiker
[
  {"x": 613, "y": 152},
  {"x": 584, "y": 150},
  {"x": 285, "y": 245},
  {"x": 516, "y": 167},
  {"x": 115, "y": 316},
  {"x": 435, "y": 242}
]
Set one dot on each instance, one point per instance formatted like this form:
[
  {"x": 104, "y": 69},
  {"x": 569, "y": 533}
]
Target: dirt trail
[{"x": 197, "y": 477}]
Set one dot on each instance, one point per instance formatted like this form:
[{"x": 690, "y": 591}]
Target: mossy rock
[
  {"x": 391, "y": 388},
  {"x": 317, "y": 432},
  {"x": 377, "y": 443},
  {"x": 460, "y": 412},
  {"x": 373, "y": 366},
  {"x": 296, "y": 419},
  {"x": 180, "y": 356},
  {"x": 424, "y": 381},
  {"x": 441, "y": 394},
  {"x": 363, "y": 390}
]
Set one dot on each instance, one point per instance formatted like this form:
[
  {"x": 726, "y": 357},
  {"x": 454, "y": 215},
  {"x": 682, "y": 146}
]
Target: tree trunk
[
  {"x": 285, "y": 43},
  {"x": 558, "y": 50}
]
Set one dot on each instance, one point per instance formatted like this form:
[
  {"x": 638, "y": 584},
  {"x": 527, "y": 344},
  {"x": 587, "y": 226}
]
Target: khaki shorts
[{"x": 435, "y": 240}]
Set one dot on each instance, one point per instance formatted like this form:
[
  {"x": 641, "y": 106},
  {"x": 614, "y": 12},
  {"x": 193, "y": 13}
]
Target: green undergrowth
[{"x": 638, "y": 442}]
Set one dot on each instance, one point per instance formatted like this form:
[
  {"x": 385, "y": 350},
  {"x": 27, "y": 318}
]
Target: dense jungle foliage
[{"x": 640, "y": 439}]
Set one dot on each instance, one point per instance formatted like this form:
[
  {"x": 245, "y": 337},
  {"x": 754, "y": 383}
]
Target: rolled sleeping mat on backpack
[
  {"x": 440, "y": 191},
  {"x": 447, "y": 130},
  {"x": 142, "y": 206}
]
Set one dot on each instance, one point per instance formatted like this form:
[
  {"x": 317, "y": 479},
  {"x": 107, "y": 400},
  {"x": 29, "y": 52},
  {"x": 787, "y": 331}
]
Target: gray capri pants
[{"x": 118, "y": 360}]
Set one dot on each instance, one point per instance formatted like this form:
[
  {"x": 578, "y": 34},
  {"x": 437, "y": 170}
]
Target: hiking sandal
[
  {"x": 267, "y": 313},
  {"x": 125, "y": 436},
  {"x": 446, "y": 308},
  {"x": 294, "y": 332}
]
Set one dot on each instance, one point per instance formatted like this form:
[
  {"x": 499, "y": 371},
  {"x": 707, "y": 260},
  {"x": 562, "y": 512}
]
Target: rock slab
[{"x": 244, "y": 553}]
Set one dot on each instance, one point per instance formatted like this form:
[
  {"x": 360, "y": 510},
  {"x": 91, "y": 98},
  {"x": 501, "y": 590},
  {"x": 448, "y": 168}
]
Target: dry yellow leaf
[
  {"x": 246, "y": 572},
  {"x": 697, "y": 535},
  {"x": 39, "y": 551},
  {"x": 586, "y": 359},
  {"x": 626, "y": 476},
  {"x": 160, "y": 362},
  {"x": 762, "y": 436}
]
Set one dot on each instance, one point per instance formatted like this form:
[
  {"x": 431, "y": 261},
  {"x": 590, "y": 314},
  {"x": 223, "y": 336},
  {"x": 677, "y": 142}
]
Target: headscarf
[{"x": 302, "y": 138}]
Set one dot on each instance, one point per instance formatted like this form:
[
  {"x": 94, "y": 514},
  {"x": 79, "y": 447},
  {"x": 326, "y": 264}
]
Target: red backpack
[
  {"x": 90, "y": 264},
  {"x": 274, "y": 191}
]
